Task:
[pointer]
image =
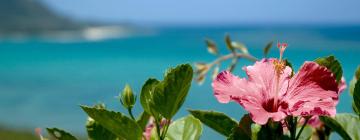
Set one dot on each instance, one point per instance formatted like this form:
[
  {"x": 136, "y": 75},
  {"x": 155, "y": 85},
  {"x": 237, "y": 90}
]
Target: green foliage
[
  {"x": 154, "y": 136},
  {"x": 357, "y": 73},
  {"x": 243, "y": 130},
  {"x": 170, "y": 94},
  {"x": 240, "y": 46},
  {"x": 354, "y": 80},
  {"x": 272, "y": 131},
  {"x": 355, "y": 109},
  {"x": 215, "y": 120},
  {"x": 60, "y": 134},
  {"x": 211, "y": 46},
  {"x": 143, "y": 120},
  {"x": 352, "y": 85},
  {"x": 332, "y": 64},
  {"x": 255, "y": 129},
  {"x": 122, "y": 126},
  {"x": 357, "y": 97},
  {"x": 336, "y": 126},
  {"x": 96, "y": 131},
  {"x": 238, "y": 51},
  {"x": 229, "y": 43},
  {"x": 147, "y": 93},
  {"x": 186, "y": 128},
  {"x": 350, "y": 123},
  {"x": 267, "y": 48}
]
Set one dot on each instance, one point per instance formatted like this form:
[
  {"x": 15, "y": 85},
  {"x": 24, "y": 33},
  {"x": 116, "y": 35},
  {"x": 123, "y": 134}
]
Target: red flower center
[{"x": 270, "y": 105}]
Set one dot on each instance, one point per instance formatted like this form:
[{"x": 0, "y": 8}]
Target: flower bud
[{"x": 127, "y": 97}]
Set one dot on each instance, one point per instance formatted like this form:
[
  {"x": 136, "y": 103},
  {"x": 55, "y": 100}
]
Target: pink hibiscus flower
[
  {"x": 148, "y": 129},
  {"x": 271, "y": 93}
]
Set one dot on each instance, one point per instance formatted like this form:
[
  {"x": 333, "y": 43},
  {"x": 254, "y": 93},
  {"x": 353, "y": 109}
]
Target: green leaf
[
  {"x": 350, "y": 123},
  {"x": 96, "y": 131},
  {"x": 201, "y": 71},
  {"x": 272, "y": 130},
  {"x": 357, "y": 96},
  {"x": 255, "y": 129},
  {"x": 143, "y": 120},
  {"x": 354, "y": 80},
  {"x": 186, "y": 128},
  {"x": 147, "y": 92},
  {"x": 267, "y": 48},
  {"x": 170, "y": 94},
  {"x": 119, "y": 124},
  {"x": 355, "y": 109},
  {"x": 215, "y": 120},
  {"x": 153, "y": 135},
  {"x": 240, "y": 46},
  {"x": 336, "y": 126},
  {"x": 352, "y": 86},
  {"x": 60, "y": 134},
  {"x": 211, "y": 46},
  {"x": 332, "y": 64},
  {"x": 243, "y": 130},
  {"x": 357, "y": 73},
  {"x": 229, "y": 43}
]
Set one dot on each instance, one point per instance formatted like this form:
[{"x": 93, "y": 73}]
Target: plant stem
[
  {"x": 130, "y": 113},
  {"x": 233, "y": 55},
  {"x": 166, "y": 127},
  {"x": 292, "y": 127},
  {"x": 302, "y": 128},
  {"x": 158, "y": 129},
  {"x": 295, "y": 124}
]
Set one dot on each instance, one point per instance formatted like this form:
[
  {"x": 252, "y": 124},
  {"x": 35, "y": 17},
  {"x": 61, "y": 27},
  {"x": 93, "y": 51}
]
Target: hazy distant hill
[
  {"x": 31, "y": 16},
  {"x": 26, "y": 19}
]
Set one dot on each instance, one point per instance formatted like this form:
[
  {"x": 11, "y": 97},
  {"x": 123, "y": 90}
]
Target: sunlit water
[{"x": 43, "y": 83}]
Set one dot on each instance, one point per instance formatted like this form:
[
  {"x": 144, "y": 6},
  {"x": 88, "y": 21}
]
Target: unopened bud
[{"x": 127, "y": 97}]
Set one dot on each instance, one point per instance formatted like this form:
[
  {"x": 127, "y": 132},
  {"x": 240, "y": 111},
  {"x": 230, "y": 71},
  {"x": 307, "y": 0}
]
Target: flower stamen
[{"x": 279, "y": 68}]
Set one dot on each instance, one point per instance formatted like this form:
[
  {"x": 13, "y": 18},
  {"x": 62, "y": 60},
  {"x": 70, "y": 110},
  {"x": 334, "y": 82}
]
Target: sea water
[{"x": 42, "y": 83}]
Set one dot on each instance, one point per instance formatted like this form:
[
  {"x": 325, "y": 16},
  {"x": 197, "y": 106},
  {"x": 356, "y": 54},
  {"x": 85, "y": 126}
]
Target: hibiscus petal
[
  {"x": 314, "y": 121},
  {"x": 342, "y": 85},
  {"x": 263, "y": 75},
  {"x": 227, "y": 85},
  {"x": 316, "y": 88}
]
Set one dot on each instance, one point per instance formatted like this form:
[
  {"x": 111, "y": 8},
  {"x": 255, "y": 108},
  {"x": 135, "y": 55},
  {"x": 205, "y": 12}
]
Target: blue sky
[{"x": 212, "y": 11}]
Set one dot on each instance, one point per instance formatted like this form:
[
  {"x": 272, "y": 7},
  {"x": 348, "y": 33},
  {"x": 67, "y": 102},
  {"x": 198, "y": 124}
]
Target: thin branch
[
  {"x": 157, "y": 124},
  {"x": 302, "y": 128},
  {"x": 232, "y": 55},
  {"x": 166, "y": 127},
  {"x": 130, "y": 113}
]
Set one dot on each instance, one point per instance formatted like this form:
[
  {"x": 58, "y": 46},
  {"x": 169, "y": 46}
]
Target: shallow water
[{"x": 42, "y": 83}]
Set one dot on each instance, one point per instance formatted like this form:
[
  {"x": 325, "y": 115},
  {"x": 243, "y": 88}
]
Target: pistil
[{"x": 279, "y": 68}]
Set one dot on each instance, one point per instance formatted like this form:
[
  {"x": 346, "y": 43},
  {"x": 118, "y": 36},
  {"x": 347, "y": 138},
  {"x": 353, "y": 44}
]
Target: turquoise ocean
[{"x": 42, "y": 83}]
